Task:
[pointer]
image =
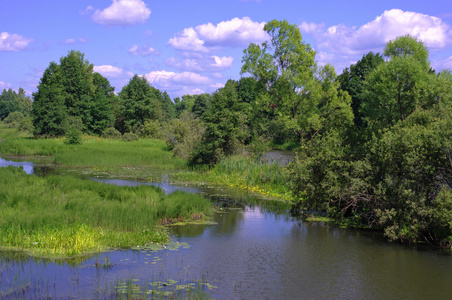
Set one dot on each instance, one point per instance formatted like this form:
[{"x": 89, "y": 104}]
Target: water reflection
[{"x": 26, "y": 165}]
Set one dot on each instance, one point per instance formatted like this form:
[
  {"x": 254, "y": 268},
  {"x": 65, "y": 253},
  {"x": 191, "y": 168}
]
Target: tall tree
[
  {"x": 286, "y": 70},
  {"x": 225, "y": 126},
  {"x": 84, "y": 96},
  {"x": 49, "y": 111},
  {"x": 398, "y": 86},
  {"x": 138, "y": 103},
  {"x": 352, "y": 80}
]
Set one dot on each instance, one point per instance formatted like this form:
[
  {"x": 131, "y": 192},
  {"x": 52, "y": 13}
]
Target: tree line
[{"x": 373, "y": 144}]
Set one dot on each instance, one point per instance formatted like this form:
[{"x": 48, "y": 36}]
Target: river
[{"x": 256, "y": 251}]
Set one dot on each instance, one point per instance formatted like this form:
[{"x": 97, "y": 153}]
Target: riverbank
[{"x": 146, "y": 160}]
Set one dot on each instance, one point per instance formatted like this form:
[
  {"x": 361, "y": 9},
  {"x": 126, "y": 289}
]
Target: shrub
[
  {"x": 129, "y": 137},
  {"x": 152, "y": 129},
  {"x": 111, "y": 133},
  {"x": 73, "y": 137}
]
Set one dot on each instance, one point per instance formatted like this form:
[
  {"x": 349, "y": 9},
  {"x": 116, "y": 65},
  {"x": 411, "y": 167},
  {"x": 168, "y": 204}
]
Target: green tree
[
  {"x": 84, "y": 95},
  {"x": 49, "y": 110},
  {"x": 138, "y": 104},
  {"x": 395, "y": 88},
  {"x": 201, "y": 105},
  {"x": 299, "y": 95},
  {"x": 168, "y": 107},
  {"x": 352, "y": 80},
  {"x": 225, "y": 123}
]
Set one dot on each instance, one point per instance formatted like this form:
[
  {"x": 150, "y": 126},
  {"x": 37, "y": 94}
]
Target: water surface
[{"x": 256, "y": 251}]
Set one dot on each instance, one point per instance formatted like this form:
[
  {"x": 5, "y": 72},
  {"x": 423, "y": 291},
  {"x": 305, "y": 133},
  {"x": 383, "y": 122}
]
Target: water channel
[{"x": 256, "y": 251}]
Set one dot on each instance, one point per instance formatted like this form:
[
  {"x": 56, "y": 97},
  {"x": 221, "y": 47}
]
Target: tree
[
  {"x": 352, "y": 80},
  {"x": 10, "y": 102},
  {"x": 49, "y": 110},
  {"x": 225, "y": 123},
  {"x": 138, "y": 103},
  {"x": 290, "y": 84},
  {"x": 168, "y": 107},
  {"x": 76, "y": 92},
  {"x": 394, "y": 89},
  {"x": 201, "y": 105}
]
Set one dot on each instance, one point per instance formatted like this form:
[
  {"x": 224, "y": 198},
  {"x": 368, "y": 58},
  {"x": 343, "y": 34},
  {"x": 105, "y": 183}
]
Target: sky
[{"x": 193, "y": 47}]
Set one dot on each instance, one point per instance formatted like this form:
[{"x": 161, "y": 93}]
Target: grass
[
  {"x": 65, "y": 216},
  {"x": 108, "y": 155},
  {"x": 241, "y": 172},
  {"x": 148, "y": 159}
]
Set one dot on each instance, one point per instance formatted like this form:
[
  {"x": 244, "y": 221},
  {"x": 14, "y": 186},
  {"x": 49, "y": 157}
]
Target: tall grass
[
  {"x": 255, "y": 175},
  {"x": 66, "y": 215}
]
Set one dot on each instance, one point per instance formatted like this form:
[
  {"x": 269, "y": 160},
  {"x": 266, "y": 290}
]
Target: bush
[
  {"x": 73, "y": 137},
  {"x": 111, "y": 133},
  {"x": 26, "y": 125},
  {"x": 129, "y": 137},
  {"x": 13, "y": 119},
  {"x": 183, "y": 134},
  {"x": 152, "y": 129}
]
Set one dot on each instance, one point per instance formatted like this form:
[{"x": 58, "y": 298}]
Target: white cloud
[
  {"x": 201, "y": 63},
  {"x": 141, "y": 51},
  {"x": 111, "y": 71},
  {"x": 208, "y": 37},
  {"x": 166, "y": 79},
  {"x": 374, "y": 35},
  {"x": 217, "y": 86},
  {"x": 122, "y": 12},
  {"x": 187, "y": 40},
  {"x": 4, "y": 85},
  {"x": 13, "y": 42},
  {"x": 311, "y": 28},
  {"x": 222, "y": 62},
  {"x": 178, "y": 84}
]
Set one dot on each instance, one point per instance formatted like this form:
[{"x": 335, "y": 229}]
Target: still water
[{"x": 256, "y": 251}]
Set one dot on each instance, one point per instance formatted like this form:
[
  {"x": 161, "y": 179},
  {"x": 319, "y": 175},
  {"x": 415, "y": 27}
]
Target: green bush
[
  {"x": 73, "y": 137},
  {"x": 130, "y": 137},
  {"x": 111, "y": 133}
]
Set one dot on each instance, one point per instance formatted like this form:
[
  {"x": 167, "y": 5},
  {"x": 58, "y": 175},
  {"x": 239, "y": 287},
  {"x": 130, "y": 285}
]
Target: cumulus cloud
[
  {"x": 141, "y": 51},
  {"x": 178, "y": 84},
  {"x": 13, "y": 42},
  {"x": 374, "y": 35},
  {"x": 209, "y": 37},
  {"x": 201, "y": 63},
  {"x": 168, "y": 79},
  {"x": 122, "y": 12},
  {"x": 111, "y": 71},
  {"x": 222, "y": 62}
]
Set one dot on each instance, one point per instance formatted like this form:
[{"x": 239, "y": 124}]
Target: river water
[{"x": 256, "y": 251}]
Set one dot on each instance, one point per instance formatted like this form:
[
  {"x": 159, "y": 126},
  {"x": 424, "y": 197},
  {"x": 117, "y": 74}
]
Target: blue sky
[{"x": 188, "y": 47}]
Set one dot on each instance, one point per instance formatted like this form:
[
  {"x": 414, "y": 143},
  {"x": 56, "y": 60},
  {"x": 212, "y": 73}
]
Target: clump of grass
[
  {"x": 255, "y": 175},
  {"x": 67, "y": 216}
]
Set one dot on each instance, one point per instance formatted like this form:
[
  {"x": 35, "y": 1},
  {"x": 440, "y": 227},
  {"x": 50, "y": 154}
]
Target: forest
[{"x": 373, "y": 145}]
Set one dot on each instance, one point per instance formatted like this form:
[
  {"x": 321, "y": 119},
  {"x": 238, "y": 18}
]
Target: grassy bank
[
  {"x": 63, "y": 216},
  {"x": 147, "y": 159}
]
